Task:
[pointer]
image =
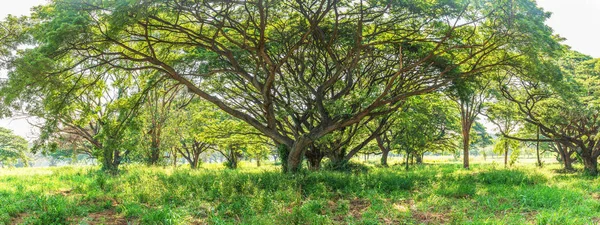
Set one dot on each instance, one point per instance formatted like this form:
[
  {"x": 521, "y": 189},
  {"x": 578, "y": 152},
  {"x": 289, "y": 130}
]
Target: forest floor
[{"x": 437, "y": 193}]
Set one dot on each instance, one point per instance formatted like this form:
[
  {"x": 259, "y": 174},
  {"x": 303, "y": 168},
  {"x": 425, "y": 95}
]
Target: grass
[{"x": 428, "y": 194}]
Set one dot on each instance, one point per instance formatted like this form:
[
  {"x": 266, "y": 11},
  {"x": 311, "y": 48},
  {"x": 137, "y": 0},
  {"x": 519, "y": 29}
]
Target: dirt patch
[
  {"x": 530, "y": 216},
  {"x": 64, "y": 192},
  {"x": 430, "y": 217},
  {"x": 358, "y": 206},
  {"x": 596, "y": 196},
  {"x": 19, "y": 219},
  {"x": 107, "y": 217},
  {"x": 405, "y": 206}
]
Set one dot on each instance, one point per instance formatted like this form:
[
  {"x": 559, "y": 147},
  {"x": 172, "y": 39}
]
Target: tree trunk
[
  {"x": 591, "y": 165},
  {"x": 296, "y": 153},
  {"x": 174, "y": 155},
  {"x": 337, "y": 158},
  {"x": 111, "y": 160},
  {"x": 384, "y": 151},
  {"x": 258, "y": 161},
  {"x": 154, "y": 147},
  {"x": 315, "y": 163},
  {"x": 465, "y": 133},
  {"x": 563, "y": 152},
  {"x": 419, "y": 158},
  {"x": 233, "y": 158},
  {"x": 505, "y": 154},
  {"x": 314, "y": 156},
  {"x": 407, "y": 159},
  {"x": 194, "y": 163},
  {"x": 384, "y": 157},
  {"x": 537, "y": 149},
  {"x": 154, "y": 154}
]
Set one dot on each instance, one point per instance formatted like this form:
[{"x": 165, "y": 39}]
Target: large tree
[
  {"x": 566, "y": 110},
  {"x": 294, "y": 70}
]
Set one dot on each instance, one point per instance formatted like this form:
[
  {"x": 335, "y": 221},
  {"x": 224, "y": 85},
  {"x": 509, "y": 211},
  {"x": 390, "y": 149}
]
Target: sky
[{"x": 576, "y": 20}]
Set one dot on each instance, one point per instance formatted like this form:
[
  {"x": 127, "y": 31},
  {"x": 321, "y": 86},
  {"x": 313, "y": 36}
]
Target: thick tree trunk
[
  {"x": 563, "y": 152},
  {"x": 233, "y": 158},
  {"x": 294, "y": 159},
  {"x": 337, "y": 158},
  {"x": 384, "y": 152},
  {"x": 258, "y": 161},
  {"x": 591, "y": 165},
  {"x": 154, "y": 156},
  {"x": 111, "y": 161},
  {"x": 315, "y": 163},
  {"x": 314, "y": 156},
  {"x": 419, "y": 158},
  {"x": 384, "y": 157},
  {"x": 194, "y": 164},
  {"x": 154, "y": 147}
]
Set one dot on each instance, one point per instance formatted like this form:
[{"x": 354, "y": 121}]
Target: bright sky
[{"x": 576, "y": 20}]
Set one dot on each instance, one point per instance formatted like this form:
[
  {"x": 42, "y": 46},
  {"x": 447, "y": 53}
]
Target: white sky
[{"x": 576, "y": 20}]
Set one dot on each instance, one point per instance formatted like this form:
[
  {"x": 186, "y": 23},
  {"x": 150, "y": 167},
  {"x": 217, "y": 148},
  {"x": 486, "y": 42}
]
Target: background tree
[
  {"x": 504, "y": 114},
  {"x": 565, "y": 111},
  {"x": 12, "y": 148},
  {"x": 470, "y": 97},
  {"x": 481, "y": 139},
  {"x": 425, "y": 124},
  {"x": 98, "y": 105},
  {"x": 156, "y": 111}
]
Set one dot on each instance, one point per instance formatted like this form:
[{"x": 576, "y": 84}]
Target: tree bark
[
  {"x": 563, "y": 152},
  {"x": 314, "y": 156},
  {"x": 419, "y": 158},
  {"x": 591, "y": 165},
  {"x": 194, "y": 163},
  {"x": 337, "y": 158},
  {"x": 465, "y": 134},
  {"x": 111, "y": 161},
  {"x": 174, "y": 155},
  {"x": 294, "y": 160},
  {"x": 537, "y": 149},
  {"x": 384, "y": 157},
  {"x": 384, "y": 152},
  {"x": 407, "y": 159},
  {"x": 505, "y": 154},
  {"x": 154, "y": 151}
]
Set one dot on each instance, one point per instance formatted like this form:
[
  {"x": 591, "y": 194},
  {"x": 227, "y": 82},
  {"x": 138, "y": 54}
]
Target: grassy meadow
[{"x": 435, "y": 193}]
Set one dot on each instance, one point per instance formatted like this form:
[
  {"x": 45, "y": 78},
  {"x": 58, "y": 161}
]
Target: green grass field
[{"x": 427, "y": 194}]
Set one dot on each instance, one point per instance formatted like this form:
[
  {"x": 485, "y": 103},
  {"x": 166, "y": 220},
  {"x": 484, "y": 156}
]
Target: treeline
[{"x": 140, "y": 80}]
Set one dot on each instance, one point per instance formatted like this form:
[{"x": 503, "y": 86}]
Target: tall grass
[{"x": 430, "y": 194}]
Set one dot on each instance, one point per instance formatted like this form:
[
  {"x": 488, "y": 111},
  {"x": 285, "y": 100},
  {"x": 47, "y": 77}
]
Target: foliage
[
  {"x": 295, "y": 72},
  {"x": 12, "y": 148}
]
